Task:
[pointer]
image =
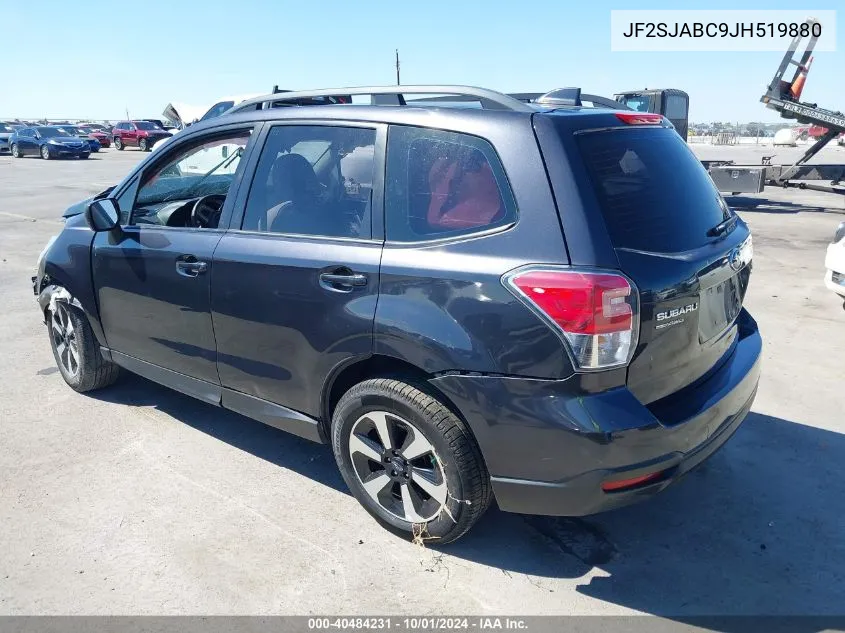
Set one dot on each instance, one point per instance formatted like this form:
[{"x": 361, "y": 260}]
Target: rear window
[{"x": 653, "y": 192}]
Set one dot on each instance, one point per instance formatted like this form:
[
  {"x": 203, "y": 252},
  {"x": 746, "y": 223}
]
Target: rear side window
[
  {"x": 443, "y": 184},
  {"x": 653, "y": 192}
]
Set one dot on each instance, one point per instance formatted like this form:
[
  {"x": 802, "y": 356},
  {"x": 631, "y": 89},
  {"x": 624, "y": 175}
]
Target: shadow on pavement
[
  {"x": 757, "y": 529},
  {"x": 283, "y": 449}
]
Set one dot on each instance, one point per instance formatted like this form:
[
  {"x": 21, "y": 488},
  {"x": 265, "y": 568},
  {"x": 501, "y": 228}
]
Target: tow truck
[{"x": 784, "y": 97}]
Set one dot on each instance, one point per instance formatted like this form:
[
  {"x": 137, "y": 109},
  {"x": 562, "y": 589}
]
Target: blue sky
[{"x": 96, "y": 58}]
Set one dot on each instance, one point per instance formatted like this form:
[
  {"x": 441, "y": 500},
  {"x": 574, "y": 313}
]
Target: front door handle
[
  {"x": 189, "y": 266},
  {"x": 343, "y": 280}
]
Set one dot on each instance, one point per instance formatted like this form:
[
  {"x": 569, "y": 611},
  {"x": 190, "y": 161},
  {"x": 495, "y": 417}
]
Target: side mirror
[{"x": 102, "y": 215}]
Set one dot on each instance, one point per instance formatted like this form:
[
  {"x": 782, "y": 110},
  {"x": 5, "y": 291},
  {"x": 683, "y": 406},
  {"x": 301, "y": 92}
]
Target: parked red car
[
  {"x": 140, "y": 134},
  {"x": 92, "y": 132}
]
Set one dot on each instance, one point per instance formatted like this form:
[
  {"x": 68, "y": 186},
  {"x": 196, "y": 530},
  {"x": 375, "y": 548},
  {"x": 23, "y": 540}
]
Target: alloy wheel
[
  {"x": 397, "y": 466},
  {"x": 64, "y": 338}
]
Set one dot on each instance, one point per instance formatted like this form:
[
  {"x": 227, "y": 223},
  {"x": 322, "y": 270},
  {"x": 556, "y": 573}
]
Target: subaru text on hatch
[{"x": 541, "y": 305}]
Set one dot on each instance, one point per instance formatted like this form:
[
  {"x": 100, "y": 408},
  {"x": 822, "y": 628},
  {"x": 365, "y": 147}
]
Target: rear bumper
[{"x": 550, "y": 445}]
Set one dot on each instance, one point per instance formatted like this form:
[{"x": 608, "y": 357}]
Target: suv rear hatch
[{"x": 658, "y": 218}]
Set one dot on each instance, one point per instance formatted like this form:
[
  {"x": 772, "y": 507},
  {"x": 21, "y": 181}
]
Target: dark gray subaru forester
[{"x": 535, "y": 303}]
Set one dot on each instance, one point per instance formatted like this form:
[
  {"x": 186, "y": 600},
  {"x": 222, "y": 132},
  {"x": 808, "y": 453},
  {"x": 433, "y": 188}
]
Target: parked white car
[
  {"x": 835, "y": 263},
  {"x": 785, "y": 136}
]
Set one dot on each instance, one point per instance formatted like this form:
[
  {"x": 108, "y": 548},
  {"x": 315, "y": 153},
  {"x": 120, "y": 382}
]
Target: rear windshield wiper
[{"x": 722, "y": 227}]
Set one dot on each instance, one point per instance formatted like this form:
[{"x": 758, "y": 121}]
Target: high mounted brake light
[
  {"x": 596, "y": 312},
  {"x": 640, "y": 118}
]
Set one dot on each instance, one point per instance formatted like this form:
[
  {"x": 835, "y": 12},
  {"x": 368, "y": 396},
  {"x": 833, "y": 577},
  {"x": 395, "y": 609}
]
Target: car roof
[{"x": 458, "y": 119}]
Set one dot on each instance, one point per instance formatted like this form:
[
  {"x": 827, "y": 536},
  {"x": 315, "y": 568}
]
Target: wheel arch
[
  {"x": 376, "y": 366},
  {"x": 52, "y": 292}
]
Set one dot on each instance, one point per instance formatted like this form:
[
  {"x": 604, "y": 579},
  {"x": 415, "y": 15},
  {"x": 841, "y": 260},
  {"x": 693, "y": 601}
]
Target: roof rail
[{"x": 390, "y": 95}]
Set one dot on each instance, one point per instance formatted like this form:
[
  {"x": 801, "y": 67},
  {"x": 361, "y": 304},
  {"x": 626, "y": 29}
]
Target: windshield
[
  {"x": 146, "y": 125},
  {"x": 6, "y": 128},
  {"x": 640, "y": 104},
  {"x": 73, "y": 131},
  {"x": 50, "y": 132}
]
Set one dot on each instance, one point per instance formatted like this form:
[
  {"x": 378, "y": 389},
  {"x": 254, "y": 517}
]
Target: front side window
[
  {"x": 443, "y": 184},
  {"x": 314, "y": 180},
  {"x": 190, "y": 187}
]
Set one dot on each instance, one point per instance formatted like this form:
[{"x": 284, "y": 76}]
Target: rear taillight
[
  {"x": 596, "y": 312},
  {"x": 640, "y": 118}
]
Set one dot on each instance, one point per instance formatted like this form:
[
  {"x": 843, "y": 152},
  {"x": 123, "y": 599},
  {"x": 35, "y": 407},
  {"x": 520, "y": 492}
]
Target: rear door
[
  {"x": 296, "y": 277},
  {"x": 659, "y": 211},
  {"x": 131, "y": 134}
]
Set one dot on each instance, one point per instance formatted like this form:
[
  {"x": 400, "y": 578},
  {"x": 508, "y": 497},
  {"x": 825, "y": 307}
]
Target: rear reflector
[
  {"x": 596, "y": 312},
  {"x": 640, "y": 118},
  {"x": 624, "y": 484}
]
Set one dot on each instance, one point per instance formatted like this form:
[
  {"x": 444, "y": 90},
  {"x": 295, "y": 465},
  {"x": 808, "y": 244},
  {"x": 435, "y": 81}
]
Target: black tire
[
  {"x": 456, "y": 452},
  {"x": 118, "y": 144},
  {"x": 92, "y": 370},
  {"x": 45, "y": 152},
  {"x": 85, "y": 156},
  {"x": 16, "y": 153},
  {"x": 143, "y": 145}
]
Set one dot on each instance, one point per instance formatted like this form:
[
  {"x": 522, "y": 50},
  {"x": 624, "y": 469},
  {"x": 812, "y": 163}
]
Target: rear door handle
[
  {"x": 188, "y": 266},
  {"x": 342, "y": 281}
]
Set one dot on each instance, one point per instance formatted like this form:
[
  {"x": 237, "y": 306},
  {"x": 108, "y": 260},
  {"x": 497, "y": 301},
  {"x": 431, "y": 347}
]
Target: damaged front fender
[{"x": 51, "y": 294}]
